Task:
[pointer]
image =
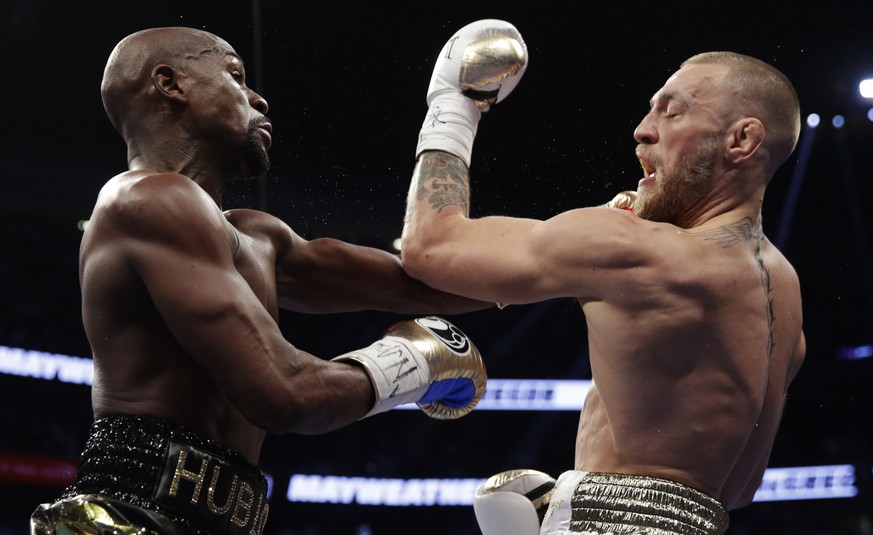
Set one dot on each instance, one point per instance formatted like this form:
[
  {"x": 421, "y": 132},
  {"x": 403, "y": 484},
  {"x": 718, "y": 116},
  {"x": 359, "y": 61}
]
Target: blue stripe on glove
[{"x": 451, "y": 392}]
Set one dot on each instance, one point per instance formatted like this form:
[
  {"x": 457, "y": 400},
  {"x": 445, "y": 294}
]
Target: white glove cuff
[
  {"x": 397, "y": 370},
  {"x": 505, "y": 513},
  {"x": 450, "y": 126}
]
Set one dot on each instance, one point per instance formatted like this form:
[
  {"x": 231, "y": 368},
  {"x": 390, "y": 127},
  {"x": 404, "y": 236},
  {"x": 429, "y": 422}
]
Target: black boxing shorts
[
  {"x": 157, "y": 477},
  {"x": 620, "y": 504}
]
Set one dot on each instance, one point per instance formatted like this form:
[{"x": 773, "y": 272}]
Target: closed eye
[{"x": 674, "y": 109}]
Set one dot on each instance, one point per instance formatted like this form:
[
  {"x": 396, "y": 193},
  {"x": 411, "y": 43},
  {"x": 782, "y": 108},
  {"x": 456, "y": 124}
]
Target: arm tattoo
[
  {"x": 443, "y": 180},
  {"x": 744, "y": 231}
]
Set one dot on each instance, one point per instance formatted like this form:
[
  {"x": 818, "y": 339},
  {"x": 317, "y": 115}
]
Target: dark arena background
[{"x": 346, "y": 88}]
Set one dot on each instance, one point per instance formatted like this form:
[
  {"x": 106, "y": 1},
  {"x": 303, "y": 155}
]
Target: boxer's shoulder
[{"x": 261, "y": 226}]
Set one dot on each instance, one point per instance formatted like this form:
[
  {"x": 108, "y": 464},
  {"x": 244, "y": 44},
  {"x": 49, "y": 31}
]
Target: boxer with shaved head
[{"x": 181, "y": 299}]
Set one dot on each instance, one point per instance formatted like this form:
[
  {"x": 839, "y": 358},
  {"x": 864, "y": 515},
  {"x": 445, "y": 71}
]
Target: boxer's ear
[
  {"x": 747, "y": 136},
  {"x": 166, "y": 81}
]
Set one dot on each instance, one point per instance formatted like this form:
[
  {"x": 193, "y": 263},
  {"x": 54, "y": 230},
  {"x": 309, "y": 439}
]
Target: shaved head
[
  {"x": 772, "y": 97},
  {"x": 126, "y": 78}
]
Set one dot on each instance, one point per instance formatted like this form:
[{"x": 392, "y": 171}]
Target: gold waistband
[{"x": 626, "y": 504}]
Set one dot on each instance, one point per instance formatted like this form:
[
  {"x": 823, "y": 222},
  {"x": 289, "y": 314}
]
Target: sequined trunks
[
  {"x": 623, "y": 504},
  {"x": 153, "y": 464}
]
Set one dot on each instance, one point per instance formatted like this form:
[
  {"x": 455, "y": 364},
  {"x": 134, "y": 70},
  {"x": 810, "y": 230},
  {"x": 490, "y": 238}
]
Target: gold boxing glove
[
  {"x": 427, "y": 361},
  {"x": 91, "y": 513}
]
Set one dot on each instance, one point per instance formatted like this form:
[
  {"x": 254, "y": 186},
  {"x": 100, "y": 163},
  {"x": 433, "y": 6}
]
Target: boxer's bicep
[
  {"x": 489, "y": 258},
  {"x": 515, "y": 260},
  {"x": 592, "y": 253}
]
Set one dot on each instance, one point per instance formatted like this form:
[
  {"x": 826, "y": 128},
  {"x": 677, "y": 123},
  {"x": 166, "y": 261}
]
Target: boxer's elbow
[
  {"x": 429, "y": 246},
  {"x": 316, "y": 397},
  {"x": 747, "y": 497},
  {"x": 420, "y": 262},
  {"x": 273, "y": 412},
  {"x": 293, "y": 413}
]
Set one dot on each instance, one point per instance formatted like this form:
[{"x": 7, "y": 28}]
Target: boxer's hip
[
  {"x": 621, "y": 504},
  {"x": 152, "y": 464}
]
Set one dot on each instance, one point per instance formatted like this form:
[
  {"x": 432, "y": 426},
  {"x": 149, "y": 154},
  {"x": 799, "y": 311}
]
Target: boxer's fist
[
  {"x": 624, "y": 200},
  {"x": 427, "y": 361},
  {"x": 478, "y": 67},
  {"x": 513, "y": 502},
  {"x": 484, "y": 60}
]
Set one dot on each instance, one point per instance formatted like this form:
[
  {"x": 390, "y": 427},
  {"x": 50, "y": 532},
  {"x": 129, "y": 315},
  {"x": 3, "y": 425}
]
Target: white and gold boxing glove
[
  {"x": 513, "y": 502},
  {"x": 427, "y": 361},
  {"x": 624, "y": 200},
  {"x": 477, "y": 68}
]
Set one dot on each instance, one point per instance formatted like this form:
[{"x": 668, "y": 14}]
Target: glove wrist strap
[
  {"x": 450, "y": 126},
  {"x": 397, "y": 370}
]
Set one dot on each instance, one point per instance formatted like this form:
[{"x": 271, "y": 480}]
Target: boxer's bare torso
[
  {"x": 695, "y": 392},
  {"x": 140, "y": 365},
  {"x": 181, "y": 301}
]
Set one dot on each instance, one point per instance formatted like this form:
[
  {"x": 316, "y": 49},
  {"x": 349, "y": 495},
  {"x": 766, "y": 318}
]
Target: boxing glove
[
  {"x": 427, "y": 361},
  {"x": 478, "y": 67},
  {"x": 513, "y": 502},
  {"x": 624, "y": 201}
]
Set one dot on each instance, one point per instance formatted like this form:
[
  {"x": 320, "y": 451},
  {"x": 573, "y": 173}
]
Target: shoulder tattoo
[{"x": 733, "y": 233}]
